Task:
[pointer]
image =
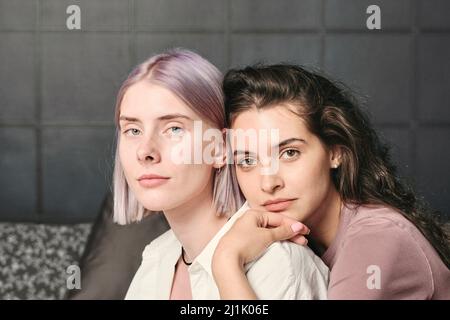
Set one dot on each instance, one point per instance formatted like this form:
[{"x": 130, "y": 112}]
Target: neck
[
  {"x": 325, "y": 221},
  {"x": 195, "y": 223}
]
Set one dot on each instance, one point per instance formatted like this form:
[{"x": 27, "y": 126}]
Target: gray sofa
[{"x": 34, "y": 258}]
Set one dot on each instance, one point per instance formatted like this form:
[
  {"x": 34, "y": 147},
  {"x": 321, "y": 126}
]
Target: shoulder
[
  {"x": 295, "y": 258},
  {"x": 384, "y": 232},
  {"x": 380, "y": 241},
  {"x": 382, "y": 227},
  {"x": 294, "y": 270},
  {"x": 161, "y": 244},
  {"x": 378, "y": 214}
]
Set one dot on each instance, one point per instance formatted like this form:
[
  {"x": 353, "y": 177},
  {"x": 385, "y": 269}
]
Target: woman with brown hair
[{"x": 335, "y": 176}]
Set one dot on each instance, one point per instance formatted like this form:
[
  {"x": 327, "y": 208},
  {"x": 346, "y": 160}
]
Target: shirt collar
[
  {"x": 205, "y": 257},
  {"x": 172, "y": 251}
]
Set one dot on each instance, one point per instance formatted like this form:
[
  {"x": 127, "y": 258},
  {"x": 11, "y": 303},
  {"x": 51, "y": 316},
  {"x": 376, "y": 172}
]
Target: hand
[{"x": 254, "y": 232}]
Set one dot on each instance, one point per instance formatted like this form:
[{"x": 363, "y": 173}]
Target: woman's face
[
  {"x": 154, "y": 123},
  {"x": 301, "y": 182}
]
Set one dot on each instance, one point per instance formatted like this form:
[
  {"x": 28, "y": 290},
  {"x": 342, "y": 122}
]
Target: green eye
[
  {"x": 247, "y": 162},
  {"x": 176, "y": 129},
  {"x": 134, "y": 131}
]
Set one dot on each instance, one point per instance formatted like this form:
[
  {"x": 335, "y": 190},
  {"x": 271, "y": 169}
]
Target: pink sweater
[{"x": 379, "y": 254}]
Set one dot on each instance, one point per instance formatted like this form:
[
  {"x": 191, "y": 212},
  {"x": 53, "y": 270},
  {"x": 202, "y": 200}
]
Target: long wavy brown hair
[{"x": 367, "y": 174}]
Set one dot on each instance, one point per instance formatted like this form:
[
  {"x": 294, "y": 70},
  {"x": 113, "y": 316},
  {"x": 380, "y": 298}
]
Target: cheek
[
  {"x": 177, "y": 151},
  {"x": 192, "y": 177},
  {"x": 248, "y": 182},
  {"x": 124, "y": 157},
  {"x": 310, "y": 180}
]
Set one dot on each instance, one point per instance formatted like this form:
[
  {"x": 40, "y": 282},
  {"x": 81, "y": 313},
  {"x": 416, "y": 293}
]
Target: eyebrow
[
  {"x": 280, "y": 145},
  {"x": 247, "y": 153},
  {"x": 289, "y": 141},
  {"x": 161, "y": 118}
]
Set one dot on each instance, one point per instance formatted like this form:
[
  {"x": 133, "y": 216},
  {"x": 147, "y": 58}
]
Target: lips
[
  {"x": 278, "y": 204},
  {"x": 152, "y": 180}
]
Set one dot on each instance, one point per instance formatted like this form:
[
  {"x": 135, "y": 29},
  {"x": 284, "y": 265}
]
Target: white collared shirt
[{"x": 285, "y": 271}]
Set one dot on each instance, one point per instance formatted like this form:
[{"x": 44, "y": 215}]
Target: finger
[
  {"x": 285, "y": 231},
  {"x": 299, "y": 239},
  {"x": 277, "y": 220}
]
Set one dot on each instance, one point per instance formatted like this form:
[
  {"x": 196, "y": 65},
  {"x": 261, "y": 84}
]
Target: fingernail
[{"x": 296, "y": 227}]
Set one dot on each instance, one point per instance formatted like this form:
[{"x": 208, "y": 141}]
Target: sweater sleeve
[{"x": 380, "y": 259}]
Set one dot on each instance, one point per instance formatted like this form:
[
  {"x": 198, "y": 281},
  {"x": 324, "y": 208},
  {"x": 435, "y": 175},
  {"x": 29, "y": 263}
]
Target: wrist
[{"x": 226, "y": 259}]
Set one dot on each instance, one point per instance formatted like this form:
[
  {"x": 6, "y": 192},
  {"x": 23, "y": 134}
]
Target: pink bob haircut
[{"x": 197, "y": 83}]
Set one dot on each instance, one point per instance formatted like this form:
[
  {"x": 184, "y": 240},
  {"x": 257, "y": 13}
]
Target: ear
[
  {"x": 221, "y": 158},
  {"x": 335, "y": 156},
  {"x": 219, "y": 162}
]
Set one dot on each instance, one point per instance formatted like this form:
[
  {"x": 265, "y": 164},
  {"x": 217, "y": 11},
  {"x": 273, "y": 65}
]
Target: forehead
[
  {"x": 147, "y": 101},
  {"x": 279, "y": 117}
]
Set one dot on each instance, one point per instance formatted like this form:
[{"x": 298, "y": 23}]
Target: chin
[
  {"x": 294, "y": 214},
  {"x": 154, "y": 202},
  {"x": 155, "y": 206}
]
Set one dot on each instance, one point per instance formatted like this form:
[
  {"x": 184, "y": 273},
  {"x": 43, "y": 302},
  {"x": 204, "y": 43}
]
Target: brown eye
[{"x": 290, "y": 154}]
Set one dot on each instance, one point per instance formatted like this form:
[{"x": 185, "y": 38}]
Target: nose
[
  {"x": 148, "y": 152},
  {"x": 271, "y": 183}
]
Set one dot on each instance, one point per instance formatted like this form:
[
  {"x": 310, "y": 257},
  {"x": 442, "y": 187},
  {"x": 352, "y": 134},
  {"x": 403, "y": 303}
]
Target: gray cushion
[{"x": 113, "y": 254}]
